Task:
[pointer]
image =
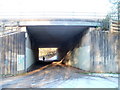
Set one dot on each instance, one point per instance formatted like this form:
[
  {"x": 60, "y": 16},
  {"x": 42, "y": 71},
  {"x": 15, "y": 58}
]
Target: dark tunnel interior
[{"x": 63, "y": 37}]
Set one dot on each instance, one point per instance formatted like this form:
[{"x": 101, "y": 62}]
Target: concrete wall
[
  {"x": 12, "y": 48},
  {"x": 17, "y": 52},
  {"x": 79, "y": 55},
  {"x": 31, "y": 52},
  {"x": 97, "y": 51},
  {"x": 105, "y": 51},
  {"x": 69, "y": 45}
]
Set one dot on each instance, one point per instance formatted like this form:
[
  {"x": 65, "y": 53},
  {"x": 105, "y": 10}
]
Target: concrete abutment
[
  {"x": 91, "y": 50},
  {"x": 97, "y": 51}
]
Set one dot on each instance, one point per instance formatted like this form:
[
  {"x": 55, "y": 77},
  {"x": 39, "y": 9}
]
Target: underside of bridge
[
  {"x": 53, "y": 36},
  {"x": 63, "y": 37}
]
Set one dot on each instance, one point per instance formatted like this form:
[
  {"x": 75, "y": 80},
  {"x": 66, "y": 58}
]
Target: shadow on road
[
  {"x": 40, "y": 64},
  {"x": 57, "y": 75}
]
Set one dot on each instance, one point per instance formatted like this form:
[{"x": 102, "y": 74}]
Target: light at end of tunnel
[{"x": 48, "y": 54}]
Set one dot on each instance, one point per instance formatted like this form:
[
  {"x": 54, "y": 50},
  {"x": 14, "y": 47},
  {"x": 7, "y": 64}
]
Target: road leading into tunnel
[{"x": 57, "y": 75}]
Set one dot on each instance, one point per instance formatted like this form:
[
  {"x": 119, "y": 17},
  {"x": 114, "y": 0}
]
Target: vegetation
[
  {"x": 115, "y": 9},
  {"x": 106, "y": 23},
  {"x": 113, "y": 16}
]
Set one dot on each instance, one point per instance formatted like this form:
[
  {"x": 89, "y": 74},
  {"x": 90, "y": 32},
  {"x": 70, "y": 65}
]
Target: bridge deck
[{"x": 36, "y": 22}]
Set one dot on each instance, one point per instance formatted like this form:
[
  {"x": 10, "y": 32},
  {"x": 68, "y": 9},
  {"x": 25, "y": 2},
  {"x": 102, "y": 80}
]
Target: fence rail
[{"x": 115, "y": 25}]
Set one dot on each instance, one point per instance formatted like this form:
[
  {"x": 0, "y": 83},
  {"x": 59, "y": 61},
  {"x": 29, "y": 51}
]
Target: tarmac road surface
[{"x": 57, "y": 75}]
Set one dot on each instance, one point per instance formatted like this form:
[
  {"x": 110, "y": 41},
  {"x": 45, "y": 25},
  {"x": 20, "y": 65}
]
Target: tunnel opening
[
  {"x": 62, "y": 37},
  {"x": 47, "y": 54}
]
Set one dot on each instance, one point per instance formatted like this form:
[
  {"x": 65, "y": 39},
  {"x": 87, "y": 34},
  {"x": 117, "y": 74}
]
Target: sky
[{"x": 18, "y": 7}]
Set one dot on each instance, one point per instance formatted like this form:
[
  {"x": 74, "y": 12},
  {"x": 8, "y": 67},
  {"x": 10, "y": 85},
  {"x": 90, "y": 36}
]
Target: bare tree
[
  {"x": 115, "y": 12},
  {"x": 115, "y": 9}
]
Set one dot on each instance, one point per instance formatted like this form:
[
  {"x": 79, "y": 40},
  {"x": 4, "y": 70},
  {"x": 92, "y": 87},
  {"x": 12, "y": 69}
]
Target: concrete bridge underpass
[
  {"x": 66, "y": 35},
  {"x": 55, "y": 36}
]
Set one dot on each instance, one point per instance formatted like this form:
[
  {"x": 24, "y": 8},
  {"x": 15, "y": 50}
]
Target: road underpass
[
  {"x": 80, "y": 51},
  {"x": 52, "y": 36},
  {"x": 79, "y": 44}
]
